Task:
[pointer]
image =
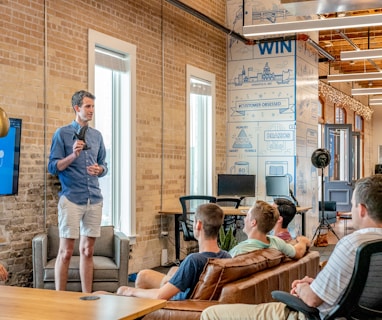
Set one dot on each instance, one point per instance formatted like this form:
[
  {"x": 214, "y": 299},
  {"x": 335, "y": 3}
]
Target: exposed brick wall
[{"x": 185, "y": 40}]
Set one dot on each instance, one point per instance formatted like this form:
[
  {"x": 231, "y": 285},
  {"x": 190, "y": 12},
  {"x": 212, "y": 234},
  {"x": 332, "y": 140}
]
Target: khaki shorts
[
  {"x": 74, "y": 219},
  {"x": 263, "y": 311}
]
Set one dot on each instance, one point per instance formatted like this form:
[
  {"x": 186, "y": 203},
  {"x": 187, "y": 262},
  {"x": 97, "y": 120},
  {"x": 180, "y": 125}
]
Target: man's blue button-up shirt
[{"x": 77, "y": 185}]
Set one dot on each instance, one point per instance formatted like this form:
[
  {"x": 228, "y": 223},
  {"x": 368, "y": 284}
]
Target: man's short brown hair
[
  {"x": 265, "y": 214},
  {"x": 211, "y": 216}
]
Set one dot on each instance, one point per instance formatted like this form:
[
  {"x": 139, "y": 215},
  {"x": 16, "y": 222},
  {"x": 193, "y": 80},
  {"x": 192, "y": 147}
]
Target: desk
[
  {"x": 345, "y": 216},
  {"x": 229, "y": 211},
  {"x": 39, "y": 304}
]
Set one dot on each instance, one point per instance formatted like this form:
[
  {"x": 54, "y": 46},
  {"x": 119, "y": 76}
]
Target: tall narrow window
[
  {"x": 200, "y": 131},
  {"x": 340, "y": 115},
  {"x": 112, "y": 78},
  {"x": 358, "y": 137},
  {"x": 321, "y": 121}
]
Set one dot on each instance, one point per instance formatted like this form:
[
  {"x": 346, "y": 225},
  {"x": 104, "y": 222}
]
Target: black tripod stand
[
  {"x": 321, "y": 159},
  {"x": 324, "y": 224}
]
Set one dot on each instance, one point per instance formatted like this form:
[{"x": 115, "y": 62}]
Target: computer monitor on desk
[
  {"x": 278, "y": 187},
  {"x": 237, "y": 185}
]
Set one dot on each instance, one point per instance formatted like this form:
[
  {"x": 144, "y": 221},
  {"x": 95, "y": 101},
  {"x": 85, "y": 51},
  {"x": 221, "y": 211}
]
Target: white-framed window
[
  {"x": 340, "y": 116},
  {"x": 200, "y": 131},
  {"x": 112, "y": 78},
  {"x": 358, "y": 123}
]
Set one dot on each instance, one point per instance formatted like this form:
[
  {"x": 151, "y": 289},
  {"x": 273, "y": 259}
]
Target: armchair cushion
[
  {"x": 102, "y": 248},
  {"x": 218, "y": 272}
]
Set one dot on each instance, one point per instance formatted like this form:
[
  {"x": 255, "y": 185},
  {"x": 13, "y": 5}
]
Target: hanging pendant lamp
[{"x": 4, "y": 123}]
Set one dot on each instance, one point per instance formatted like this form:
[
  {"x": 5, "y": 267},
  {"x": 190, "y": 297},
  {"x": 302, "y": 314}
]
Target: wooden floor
[{"x": 340, "y": 231}]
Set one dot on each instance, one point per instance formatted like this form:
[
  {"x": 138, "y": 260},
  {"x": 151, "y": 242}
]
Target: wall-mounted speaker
[{"x": 378, "y": 169}]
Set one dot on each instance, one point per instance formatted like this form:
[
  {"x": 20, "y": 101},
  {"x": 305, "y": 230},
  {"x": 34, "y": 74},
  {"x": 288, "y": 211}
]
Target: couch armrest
[
  {"x": 121, "y": 256},
  {"x": 185, "y": 310},
  {"x": 39, "y": 258}
]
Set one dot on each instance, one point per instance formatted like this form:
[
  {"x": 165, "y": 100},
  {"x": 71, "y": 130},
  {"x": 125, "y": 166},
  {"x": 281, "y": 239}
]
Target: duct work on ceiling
[{"x": 309, "y": 7}]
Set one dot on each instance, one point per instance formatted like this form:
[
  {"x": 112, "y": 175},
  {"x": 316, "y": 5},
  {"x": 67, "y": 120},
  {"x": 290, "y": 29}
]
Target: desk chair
[
  {"x": 362, "y": 298},
  {"x": 189, "y": 204},
  {"x": 345, "y": 216},
  {"x": 234, "y": 202},
  {"x": 330, "y": 211}
]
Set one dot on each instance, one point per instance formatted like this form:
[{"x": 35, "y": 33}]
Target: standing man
[{"x": 77, "y": 156}]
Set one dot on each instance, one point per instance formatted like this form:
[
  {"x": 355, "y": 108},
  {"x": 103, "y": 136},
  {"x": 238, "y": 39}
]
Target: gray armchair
[{"x": 111, "y": 258}]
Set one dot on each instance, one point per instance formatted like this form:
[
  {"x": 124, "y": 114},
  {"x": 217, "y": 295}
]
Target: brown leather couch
[{"x": 247, "y": 278}]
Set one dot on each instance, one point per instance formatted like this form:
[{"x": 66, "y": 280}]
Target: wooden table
[
  {"x": 229, "y": 211},
  {"x": 29, "y": 303}
]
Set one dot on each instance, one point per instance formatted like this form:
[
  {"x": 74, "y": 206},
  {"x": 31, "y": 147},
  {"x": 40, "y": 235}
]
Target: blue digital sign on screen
[{"x": 10, "y": 159}]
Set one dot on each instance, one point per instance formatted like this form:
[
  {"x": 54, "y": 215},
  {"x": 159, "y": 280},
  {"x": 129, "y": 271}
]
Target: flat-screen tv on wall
[
  {"x": 10, "y": 159},
  {"x": 240, "y": 185}
]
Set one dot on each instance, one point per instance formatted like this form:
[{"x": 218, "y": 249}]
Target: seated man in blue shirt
[
  {"x": 259, "y": 221},
  {"x": 155, "y": 285}
]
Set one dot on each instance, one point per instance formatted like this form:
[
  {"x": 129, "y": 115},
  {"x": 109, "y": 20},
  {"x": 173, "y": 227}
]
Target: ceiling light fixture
[
  {"x": 366, "y": 91},
  {"x": 367, "y": 76},
  {"x": 312, "y": 25},
  {"x": 361, "y": 54},
  {"x": 375, "y": 101}
]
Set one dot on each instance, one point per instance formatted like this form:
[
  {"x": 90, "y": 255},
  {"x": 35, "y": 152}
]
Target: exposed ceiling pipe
[
  {"x": 321, "y": 51},
  {"x": 344, "y": 36},
  {"x": 240, "y": 37},
  {"x": 210, "y": 21}
]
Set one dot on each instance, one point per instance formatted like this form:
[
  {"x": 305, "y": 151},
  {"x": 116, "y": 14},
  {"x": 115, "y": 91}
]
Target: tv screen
[
  {"x": 277, "y": 186},
  {"x": 240, "y": 185},
  {"x": 10, "y": 159}
]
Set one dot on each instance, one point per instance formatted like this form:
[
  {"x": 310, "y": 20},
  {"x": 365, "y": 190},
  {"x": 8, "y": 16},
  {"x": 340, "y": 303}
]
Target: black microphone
[{"x": 81, "y": 136}]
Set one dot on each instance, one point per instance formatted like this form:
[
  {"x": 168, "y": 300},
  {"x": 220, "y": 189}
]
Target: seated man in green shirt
[{"x": 259, "y": 221}]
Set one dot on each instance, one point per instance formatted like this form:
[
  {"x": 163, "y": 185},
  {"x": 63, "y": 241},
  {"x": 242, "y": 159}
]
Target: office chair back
[
  {"x": 229, "y": 202},
  {"x": 229, "y": 220},
  {"x": 330, "y": 211},
  {"x": 189, "y": 204},
  {"x": 362, "y": 298}
]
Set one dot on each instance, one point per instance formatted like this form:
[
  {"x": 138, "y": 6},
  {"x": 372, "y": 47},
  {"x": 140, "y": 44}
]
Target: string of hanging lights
[{"x": 336, "y": 96}]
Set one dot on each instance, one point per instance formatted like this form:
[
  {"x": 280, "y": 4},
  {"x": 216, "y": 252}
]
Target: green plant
[{"x": 227, "y": 239}]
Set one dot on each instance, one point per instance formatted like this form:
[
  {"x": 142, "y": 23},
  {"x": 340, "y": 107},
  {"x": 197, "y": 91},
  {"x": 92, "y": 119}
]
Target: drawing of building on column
[{"x": 271, "y": 103}]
